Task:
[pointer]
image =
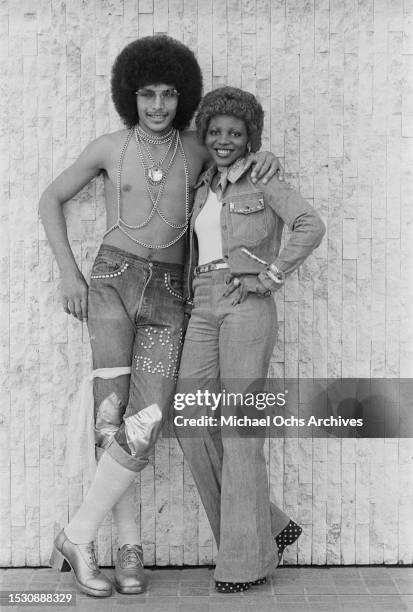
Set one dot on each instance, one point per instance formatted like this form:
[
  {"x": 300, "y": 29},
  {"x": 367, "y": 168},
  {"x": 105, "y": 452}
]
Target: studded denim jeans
[
  {"x": 135, "y": 319},
  {"x": 227, "y": 347}
]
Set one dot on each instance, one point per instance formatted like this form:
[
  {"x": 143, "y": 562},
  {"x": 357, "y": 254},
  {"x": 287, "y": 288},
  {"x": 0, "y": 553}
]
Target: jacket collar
[
  {"x": 206, "y": 176},
  {"x": 234, "y": 172}
]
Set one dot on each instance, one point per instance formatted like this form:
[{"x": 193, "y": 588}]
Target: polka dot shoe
[
  {"x": 259, "y": 581},
  {"x": 288, "y": 536},
  {"x": 231, "y": 587}
]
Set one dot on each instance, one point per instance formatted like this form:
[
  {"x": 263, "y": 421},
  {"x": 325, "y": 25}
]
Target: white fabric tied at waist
[{"x": 80, "y": 440}]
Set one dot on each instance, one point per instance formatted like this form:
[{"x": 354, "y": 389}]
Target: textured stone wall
[{"x": 335, "y": 80}]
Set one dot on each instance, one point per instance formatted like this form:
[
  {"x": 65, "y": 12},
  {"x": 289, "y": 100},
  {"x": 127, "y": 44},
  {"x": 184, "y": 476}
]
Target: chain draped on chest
[{"x": 154, "y": 175}]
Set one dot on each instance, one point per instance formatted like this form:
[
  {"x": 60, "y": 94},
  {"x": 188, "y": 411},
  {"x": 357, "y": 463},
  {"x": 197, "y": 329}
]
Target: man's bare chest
[{"x": 130, "y": 188}]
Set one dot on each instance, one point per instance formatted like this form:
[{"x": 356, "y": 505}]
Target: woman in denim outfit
[{"x": 235, "y": 264}]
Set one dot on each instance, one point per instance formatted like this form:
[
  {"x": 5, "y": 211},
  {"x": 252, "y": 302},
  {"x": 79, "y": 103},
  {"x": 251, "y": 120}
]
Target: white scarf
[{"x": 80, "y": 440}]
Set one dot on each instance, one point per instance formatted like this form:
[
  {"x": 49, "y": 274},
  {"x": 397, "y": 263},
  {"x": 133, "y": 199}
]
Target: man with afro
[{"x": 134, "y": 304}]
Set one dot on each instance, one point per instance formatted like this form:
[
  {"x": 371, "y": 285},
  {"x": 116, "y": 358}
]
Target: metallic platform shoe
[
  {"x": 82, "y": 559},
  {"x": 129, "y": 572}
]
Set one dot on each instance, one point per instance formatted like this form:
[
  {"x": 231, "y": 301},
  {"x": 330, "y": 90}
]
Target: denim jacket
[{"x": 253, "y": 216}]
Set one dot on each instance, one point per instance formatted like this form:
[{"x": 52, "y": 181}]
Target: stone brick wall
[{"x": 335, "y": 80}]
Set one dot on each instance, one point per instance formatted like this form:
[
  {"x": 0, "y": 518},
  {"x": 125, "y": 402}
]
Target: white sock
[
  {"x": 109, "y": 484},
  {"x": 124, "y": 513}
]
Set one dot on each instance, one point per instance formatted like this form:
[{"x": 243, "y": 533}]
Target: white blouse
[{"x": 208, "y": 230}]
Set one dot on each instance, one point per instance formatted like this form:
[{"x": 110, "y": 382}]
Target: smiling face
[
  {"x": 226, "y": 139},
  {"x": 157, "y": 105}
]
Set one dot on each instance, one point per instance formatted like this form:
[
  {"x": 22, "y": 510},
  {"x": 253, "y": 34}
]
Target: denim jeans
[
  {"x": 135, "y": 319},
  {"x": 224, "y": 346}
]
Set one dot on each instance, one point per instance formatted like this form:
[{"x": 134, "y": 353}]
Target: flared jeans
[
  {"x": 226, "y": 348},
  {"x": 136, "y": 315}
]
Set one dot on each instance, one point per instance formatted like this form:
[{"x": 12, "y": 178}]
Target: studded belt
[{"x": 214, "y": 265}]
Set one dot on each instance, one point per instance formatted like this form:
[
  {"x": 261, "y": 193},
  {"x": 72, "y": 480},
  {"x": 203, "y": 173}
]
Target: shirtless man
[{"x": 134, "y": 304}]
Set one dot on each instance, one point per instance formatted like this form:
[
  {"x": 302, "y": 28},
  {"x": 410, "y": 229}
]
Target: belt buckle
[{"x": 211, "y": 266}]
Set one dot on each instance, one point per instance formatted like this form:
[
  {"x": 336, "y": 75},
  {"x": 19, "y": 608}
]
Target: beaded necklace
[{"x": 121, "y": 223}]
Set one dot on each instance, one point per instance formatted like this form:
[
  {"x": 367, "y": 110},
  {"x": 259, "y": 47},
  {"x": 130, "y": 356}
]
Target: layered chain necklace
[{"x": 154, "y": 175}]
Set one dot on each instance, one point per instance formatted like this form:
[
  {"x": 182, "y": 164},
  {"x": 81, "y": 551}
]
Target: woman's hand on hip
[{"x": 241, "y": 286}]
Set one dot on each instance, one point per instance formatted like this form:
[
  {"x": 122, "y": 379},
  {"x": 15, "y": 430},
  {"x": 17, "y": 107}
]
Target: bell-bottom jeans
[{"x": 226, "y": 347}]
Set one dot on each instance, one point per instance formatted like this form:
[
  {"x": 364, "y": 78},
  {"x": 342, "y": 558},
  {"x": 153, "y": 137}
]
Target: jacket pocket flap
[{"x": 245, "y": 207}]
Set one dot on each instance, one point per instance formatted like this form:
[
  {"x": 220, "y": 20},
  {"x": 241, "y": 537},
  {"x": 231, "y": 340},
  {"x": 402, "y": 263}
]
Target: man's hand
[
  {"x": 74, "y": 291},
  {"x": 266, "y": 165},
  {"x": 243, "y": 285}
]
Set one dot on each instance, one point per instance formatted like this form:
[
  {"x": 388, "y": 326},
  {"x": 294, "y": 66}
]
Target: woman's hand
[
  {"x": 74, "y": 290},
  {"x": 243, "y": 285},
  {"x": 266, "y": 165}
]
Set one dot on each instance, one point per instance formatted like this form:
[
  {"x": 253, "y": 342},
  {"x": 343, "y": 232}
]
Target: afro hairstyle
[
  {"x": 235, "y": 102},
  {"x": 151, "y": 60}
]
